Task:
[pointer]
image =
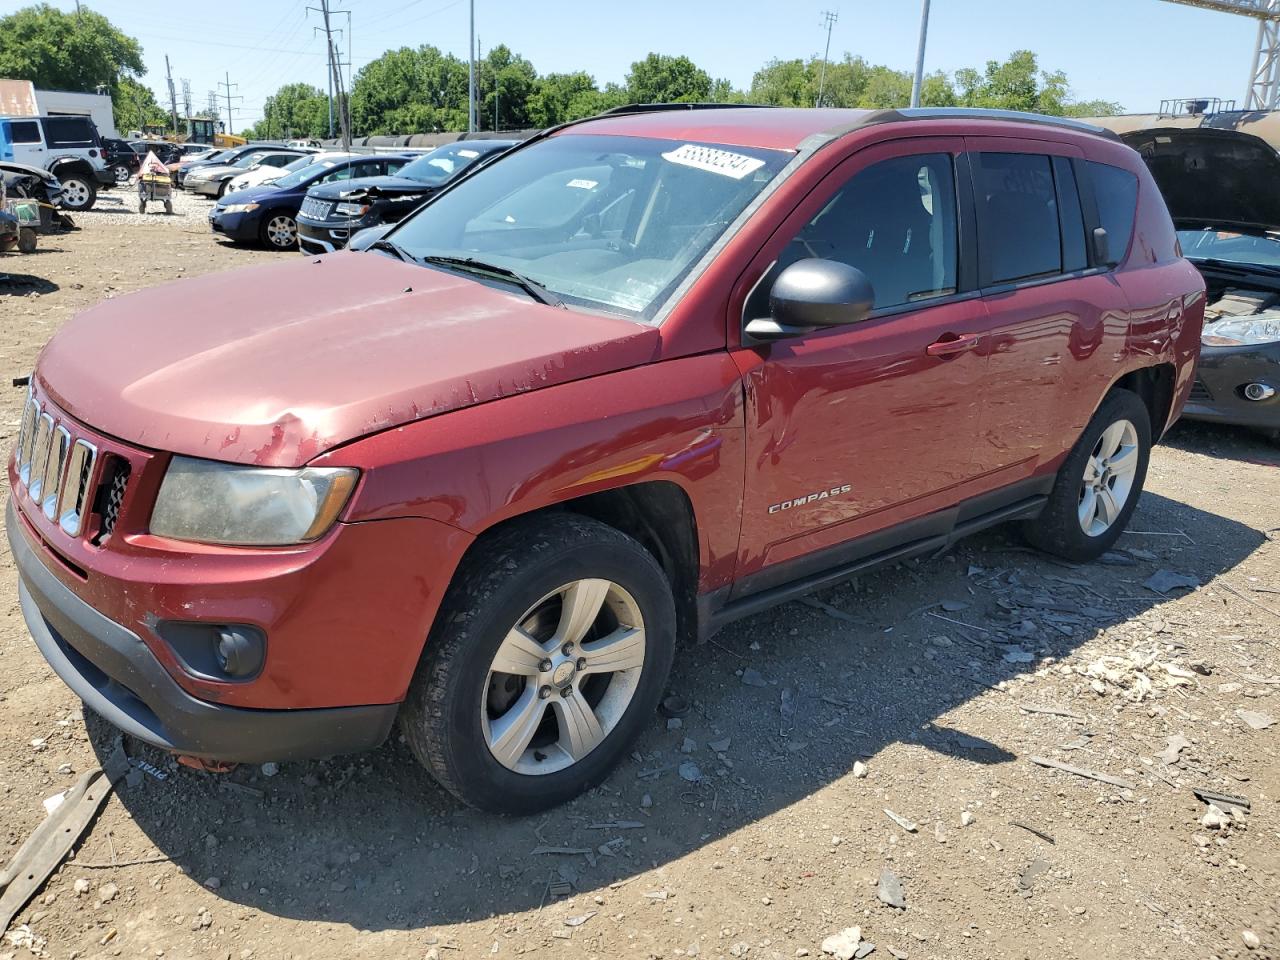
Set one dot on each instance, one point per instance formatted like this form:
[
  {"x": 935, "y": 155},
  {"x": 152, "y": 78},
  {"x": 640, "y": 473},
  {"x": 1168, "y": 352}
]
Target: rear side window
[
  {"x": 24, "y": 131},
  {"x": 1116, "y": 191},
  {"x": 1020, "y": 235},
  {"x": 70, "y": 132},
  {"x": 1072, "y": 221}
]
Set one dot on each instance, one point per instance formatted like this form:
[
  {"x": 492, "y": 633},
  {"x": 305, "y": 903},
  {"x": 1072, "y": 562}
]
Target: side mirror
[
  {"x": 366, "y": 238},
  {"x": 814, "y": 293},
  {"x": 1102, "y": 247}
]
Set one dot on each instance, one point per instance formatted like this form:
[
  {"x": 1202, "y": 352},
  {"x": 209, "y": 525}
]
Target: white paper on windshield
[
  {"x": 469, "y": 153},
  {"x": 724, "y": 162},
  {"x": 583, "y": 184}
]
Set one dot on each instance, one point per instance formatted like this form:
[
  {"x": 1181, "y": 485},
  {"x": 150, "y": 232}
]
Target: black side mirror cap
[
  {"x": 1102, "y": 248},
  {"x": 814, "y": 293}
]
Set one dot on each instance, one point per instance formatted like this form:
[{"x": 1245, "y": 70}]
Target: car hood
[
  {"x": 250, "y": 194},
  {"x": 387, "y": 186},
  {"x": 7, "y": 166},
  {"x": 1213, "y": 178},
  {"x": 274, "y": 365},
  {"x": 215, "y": 170}
]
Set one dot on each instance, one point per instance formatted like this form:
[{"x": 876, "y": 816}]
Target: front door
[
  {"x": 26, "y": 143},
  {"x": 856, "y": 430}
]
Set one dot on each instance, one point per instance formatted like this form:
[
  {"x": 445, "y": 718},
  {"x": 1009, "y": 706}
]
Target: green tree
[
  {"x": 295, "y": 110},
  {"x": 135, "y": 106},
  {"x": 1094, "y": 108},
  {"x": 506, "y": 82},
  {"x": 66, "y": 51},
  {"x": 1016, "y": 84},
  {"x": 783, "y": 83},
  {"x": 554, "y": 96},
  {"x": 410, "y": 91},
  {"x": 660, "y": 78}
]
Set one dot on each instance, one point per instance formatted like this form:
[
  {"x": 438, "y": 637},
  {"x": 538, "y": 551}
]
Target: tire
[
  {"x": 78, "y": 194},
  {"x": 27, "y": 240},
  {"x": 121, "y": 173},
  {"x": 1122, "y": 425},
  {"x": 458, "y": 704},
  {"x": 222, "y": 188},
  {"x": 279, "y": 231}
]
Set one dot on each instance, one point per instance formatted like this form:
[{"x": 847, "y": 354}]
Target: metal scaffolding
[{"x": 1264, "y": 78}]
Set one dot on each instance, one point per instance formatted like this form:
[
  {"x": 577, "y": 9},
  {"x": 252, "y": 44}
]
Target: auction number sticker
[{"x": 724, "y": 162}]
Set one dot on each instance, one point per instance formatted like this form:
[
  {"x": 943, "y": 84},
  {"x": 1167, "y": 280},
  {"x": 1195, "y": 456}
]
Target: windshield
[
  {"x": 439, "y": 165},
  {"x": 1225, "y": 245},
  {"x": 303, "y": 174},
  {"x": 249, "y": 159},
  {"x": 221, "y": 155},
  {"x": 608, "y": 222}
]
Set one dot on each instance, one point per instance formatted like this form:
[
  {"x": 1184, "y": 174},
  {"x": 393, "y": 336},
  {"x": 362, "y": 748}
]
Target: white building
[{"x": 20, "y": 98}]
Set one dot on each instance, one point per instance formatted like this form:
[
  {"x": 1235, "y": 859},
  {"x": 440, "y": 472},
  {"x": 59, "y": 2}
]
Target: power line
[
  {"x": 827, "y": 19},
  {"x": 229, "y": 97}
]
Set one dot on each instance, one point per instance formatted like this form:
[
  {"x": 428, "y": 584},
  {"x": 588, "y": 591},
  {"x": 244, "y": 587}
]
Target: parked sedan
[
  {"x": 332, "y": 212},
  {"x": 264, "y": 174},
  {"x": 213, "y": 180},
  {"x": 185, "y": 165},
  {"x": 268, "y": 213}
]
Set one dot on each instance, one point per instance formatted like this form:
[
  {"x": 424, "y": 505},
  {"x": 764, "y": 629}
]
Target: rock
[
  {"x": 674, "y": 723},
  {"x": 1256, "y": 720},
  {"x": 719, "y": 746},
  {"x": 1017, "y": 655},
  {"x": 966, "y": 818},
  {"x": 889, "y": 890},
  {"x": 108, "y": 892},
  {"x": 843, "y": 945},
  {"x": 897, "y": 954},
  {"x": 1164, "y": 581},
  {"x": 690, "y": 771},
  {"x": 908, "y": 825},
  {"x": 646, "y": 802},
  {"x": 865, "y": 949},
  {"x": 754, "y": 678},
  {"x": 1033, "y": 870},
  {"x": 859, "y": 770},
  {"x": 1216, "y": 818},
  {"x": 688, "y": 746},
  {"x": 213, "y": 883},
  {"x": 81, "y": 886},
  {"x": 1177, "y": 743},
  {"x": 431, "y": 954},
  {"x": 1251, "y": 939},
  {"x": 270, "y": 769}
]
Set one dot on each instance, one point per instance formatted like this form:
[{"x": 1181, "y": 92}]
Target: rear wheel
[
  {"x": 549, "y": 656},
  {"x": 1098, "y": 484},
  {"x": 279, "y": 231},
  {"x": 121, "y": 173},
  {"x": 78, "y": 193}
]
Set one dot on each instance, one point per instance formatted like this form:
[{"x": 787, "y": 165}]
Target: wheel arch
[
  {"x": 1154, "y": 385},
  {"x": 68, "y": 166}
]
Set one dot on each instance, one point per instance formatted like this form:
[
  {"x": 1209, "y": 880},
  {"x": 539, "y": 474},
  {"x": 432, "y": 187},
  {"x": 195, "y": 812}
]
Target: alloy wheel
[
  {"x": 1108, "y": 478},
  {"x": 282, "y": 232},
  {"x": 75, "y": 193},
  {"x": 563, "y": 677}
]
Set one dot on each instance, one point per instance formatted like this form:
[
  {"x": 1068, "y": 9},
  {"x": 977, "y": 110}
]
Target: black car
[
  {"x": 228, "y": 156},
  {"x": 1220, "y": 186},
  {"x": 122, "y": 160},
  {"x": 165, "y": 151},
  {"x": 267, "y": 213},
  {"x": 332, "y": 212}
]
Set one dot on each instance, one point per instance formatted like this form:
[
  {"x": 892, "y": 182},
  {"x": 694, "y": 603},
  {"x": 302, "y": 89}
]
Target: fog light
[
  {"x": 239, "y": 653},
  {"x": 221, "y": 652},
  {"x": 1259, "y": 391}
]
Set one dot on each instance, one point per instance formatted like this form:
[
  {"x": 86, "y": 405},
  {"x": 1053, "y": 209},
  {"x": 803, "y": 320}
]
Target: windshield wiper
[
  {"x": 1237, "y": 267},
  {"x": 472, "y": 265},
  {"x": 382, "y": 243}
]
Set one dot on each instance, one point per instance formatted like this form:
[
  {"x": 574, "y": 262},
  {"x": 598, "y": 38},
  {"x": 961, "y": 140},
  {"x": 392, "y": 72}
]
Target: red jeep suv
[{"x": 644, "y": 375}]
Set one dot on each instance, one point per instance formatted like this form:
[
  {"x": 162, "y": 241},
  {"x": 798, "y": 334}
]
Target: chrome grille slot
[
  {"x": 75, "y": 489},
  {"x": 316, "y": 209},
  {"x": 111, "y": 496},
  {"x": 26, "y": 436},
  {"x": 39, "y": 455},
  {"x": 60, "y": 445}
]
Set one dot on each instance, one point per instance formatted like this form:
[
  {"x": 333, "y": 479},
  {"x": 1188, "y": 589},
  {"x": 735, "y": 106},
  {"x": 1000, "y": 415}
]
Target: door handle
[{"x": 951, "y": 344}]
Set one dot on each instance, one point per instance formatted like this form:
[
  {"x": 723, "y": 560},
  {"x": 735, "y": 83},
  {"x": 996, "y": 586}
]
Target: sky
[{"x": 1136, "y": 52}]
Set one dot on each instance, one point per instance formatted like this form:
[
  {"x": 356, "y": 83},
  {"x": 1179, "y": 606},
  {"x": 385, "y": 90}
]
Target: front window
[
  {"x": 303, "y": 174},
  {"x": 1231, "y": 247},
  {"x": 439, "y": 165},
  {"x": 607, "y": 222}
]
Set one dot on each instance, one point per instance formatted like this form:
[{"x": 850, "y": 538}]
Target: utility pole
[
  {"x": 173, "y": 97},
  {"x": 471, "y": 74},
  {"x": 828, "y": 19},
  {"x": 229, "y": 85},
  {"x": 918, "y": 80},
  {"x": 323, "y": 10},
  {"x": 186, "y": 96}
]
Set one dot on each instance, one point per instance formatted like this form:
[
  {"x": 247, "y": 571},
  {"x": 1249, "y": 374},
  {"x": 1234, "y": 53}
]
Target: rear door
[
  {"x": 26, "y": 142},
  {"x": 867, "y": 428},
  {"x": 1056, "y": 321}
]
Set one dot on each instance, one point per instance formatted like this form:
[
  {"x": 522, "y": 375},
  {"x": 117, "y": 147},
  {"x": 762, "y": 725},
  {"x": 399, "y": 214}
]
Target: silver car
[{"x": 212, "y": 181}]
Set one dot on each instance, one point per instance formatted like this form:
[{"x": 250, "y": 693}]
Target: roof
[{"x": 787, "y": 128}]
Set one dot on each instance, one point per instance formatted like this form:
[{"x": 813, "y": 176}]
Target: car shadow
[
  {"x": 23, "y": 284},
  {"x": 1224, "y": 442},
  {"x": 373, "y": 842}
]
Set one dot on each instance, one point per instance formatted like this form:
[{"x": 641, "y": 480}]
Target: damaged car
[
  {"x": 1220, "y": 187},
  {"x": 333, "y": 212},
  {"x": 20, "y": 181}
]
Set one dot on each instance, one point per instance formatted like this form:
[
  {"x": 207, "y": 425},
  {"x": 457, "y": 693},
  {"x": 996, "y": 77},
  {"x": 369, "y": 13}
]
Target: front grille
[
  {"x": 1199, "y": 393},
  {"x": 56, "y": 466},
  {"x": 316, "y": 209},
  {"x": 113, "y": 489}
]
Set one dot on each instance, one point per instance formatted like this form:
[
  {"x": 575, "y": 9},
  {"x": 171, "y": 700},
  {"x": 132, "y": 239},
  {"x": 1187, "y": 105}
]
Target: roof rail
[
  {"x": 977, "y": 113},
  {"x": 660, "y": 107}
]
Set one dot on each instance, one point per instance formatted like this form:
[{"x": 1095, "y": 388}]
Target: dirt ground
[{"x": 917, "y": 690}]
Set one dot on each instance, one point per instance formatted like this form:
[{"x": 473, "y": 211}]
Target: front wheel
[
  {"x": 78, "y": 194},
  {"x": 280, "y": 231},
  {"x": 549, "y": 656},
  {"x": 1098, "y": 484},
  {"x": 121, "y": 173}
]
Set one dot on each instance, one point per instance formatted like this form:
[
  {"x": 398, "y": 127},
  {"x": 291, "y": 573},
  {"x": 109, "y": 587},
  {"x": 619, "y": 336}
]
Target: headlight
[
  {"x": 240, "y": 208},
  {"x": 1264, "y": 328},
  {"x": 197, "y": 175},
  {"x": 352, "y": 209},
  {"x": 211, "y": 502}
]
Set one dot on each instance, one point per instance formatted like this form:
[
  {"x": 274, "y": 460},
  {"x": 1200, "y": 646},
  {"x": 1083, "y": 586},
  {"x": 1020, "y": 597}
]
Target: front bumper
[
  {"x": 326, "y": 237},
  {"x": 1222, "y": 374},
  {"x": 115, "y": 673},
  {"x": 242, "y": 227},
  {"x": 208, "y": 188},
  {"x": 105, "y": 177}
]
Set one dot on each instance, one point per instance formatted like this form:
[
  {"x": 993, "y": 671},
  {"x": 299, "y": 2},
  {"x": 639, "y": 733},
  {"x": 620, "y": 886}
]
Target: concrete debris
[
  {"x": 719, "y": 746},
  {"x": 107, "y": 892},
  {"x": 1216, "y": 818},
  {"x": 1137, "y": 674},
  {"x": 843, "y": 945},
  {"x": 889, "y": 890},
  {"x": 1017, "y": 655},
  {"x": 688, "y": 746},
  {"x": 270, "y": 769},
  {"x": 1166, "y": 581},
  {"x": 81, "y": 886},
  {"x": 580, "y": 920},
  {"x": 754, "y": 678},
  {"x": 1177, "y": 743},
  {"x": 859, "y": 770},
  {"x": 1082, "y": 772},
  {"x": 966, "y": 818},
  {"x": 1030, "y": 873},
  {"x": 1251, "y": 939},
  {"x": 908, "y": 825},
  {"x": 1256, "y": 720},
  {"x": 865, "y": 949},
  {"x": 675, "y": 723},
  {"x": 690, "y": 771}
]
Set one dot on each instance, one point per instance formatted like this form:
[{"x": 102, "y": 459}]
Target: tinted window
[
  {"x": 1116, "y": 191},
  {"x": 1073, "y": 248},
  {"x": 24, "y": 131},
  {"x": 69, "y": 132},
  {"x": 1018, "y": 216}
]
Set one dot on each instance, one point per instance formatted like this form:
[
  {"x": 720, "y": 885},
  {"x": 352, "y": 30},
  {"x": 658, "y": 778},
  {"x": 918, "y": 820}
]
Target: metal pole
[
  {"x": 918, "y": 81},
  {"x": 471, "y": 74},
  {"x": 173, "y": 97},
  {"x": 230, "y": 125},
  {"x": 328, "y": 41},
  {"x": 830, "y": 19}
]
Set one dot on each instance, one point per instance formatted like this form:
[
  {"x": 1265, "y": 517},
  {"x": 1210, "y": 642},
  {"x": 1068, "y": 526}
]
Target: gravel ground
[
  {"x": 923, "y": 690},
  {"x": 119, "y": 207}
]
